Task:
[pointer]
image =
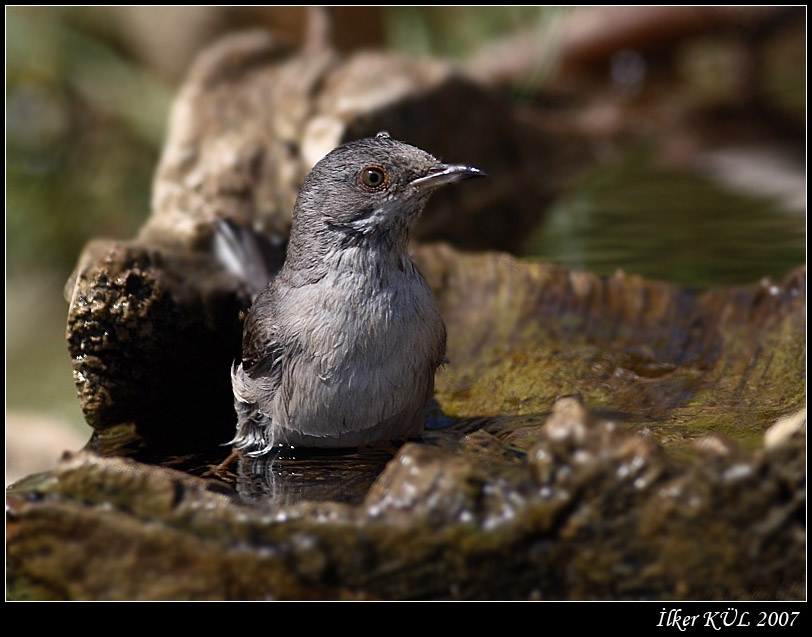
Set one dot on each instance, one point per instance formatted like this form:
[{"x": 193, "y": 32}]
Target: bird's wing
[
  {"x": 257, "y": 379},
  {"x": 259, "y": 340}
]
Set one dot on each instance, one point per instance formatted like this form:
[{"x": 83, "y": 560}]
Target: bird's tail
[
  {"x": 254, "y": 429},
  {"x": 247, "y": 254}
]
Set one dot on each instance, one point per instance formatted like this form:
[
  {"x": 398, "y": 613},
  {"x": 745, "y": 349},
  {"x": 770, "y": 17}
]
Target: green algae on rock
[{"x": 682, "y": 364}]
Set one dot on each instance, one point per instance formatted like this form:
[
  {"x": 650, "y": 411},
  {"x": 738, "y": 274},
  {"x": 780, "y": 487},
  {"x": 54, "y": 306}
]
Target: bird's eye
[{"x": 374, "y": 178}]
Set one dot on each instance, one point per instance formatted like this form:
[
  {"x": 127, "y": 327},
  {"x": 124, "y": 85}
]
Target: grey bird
[{"x": 341, "y": 348}]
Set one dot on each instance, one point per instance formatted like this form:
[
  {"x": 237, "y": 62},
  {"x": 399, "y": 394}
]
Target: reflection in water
[
  {"x": 289, "y": 475},
  {"x": 673, "y": 226}
]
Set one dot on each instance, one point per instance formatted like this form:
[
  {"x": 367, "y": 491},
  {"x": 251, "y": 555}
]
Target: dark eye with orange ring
[{"x": 374, "y": 178}]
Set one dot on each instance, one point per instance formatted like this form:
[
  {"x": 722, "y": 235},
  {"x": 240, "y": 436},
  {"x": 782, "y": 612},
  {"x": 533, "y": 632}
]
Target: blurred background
[{"x": 696, "y": 119}]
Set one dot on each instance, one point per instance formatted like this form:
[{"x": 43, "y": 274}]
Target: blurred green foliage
[
  {"x": 457, "y": 32},
  {"x": 83, "y": 130}
]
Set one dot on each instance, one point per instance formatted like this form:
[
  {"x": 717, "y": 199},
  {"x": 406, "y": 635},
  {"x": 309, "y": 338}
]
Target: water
[{"x": 687, "y": 228}]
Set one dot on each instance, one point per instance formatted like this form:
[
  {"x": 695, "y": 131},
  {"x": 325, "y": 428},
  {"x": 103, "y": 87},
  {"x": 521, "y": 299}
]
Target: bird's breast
[
  {"x": 352, "y": 319},
  {"x": 366, "y": 349}
]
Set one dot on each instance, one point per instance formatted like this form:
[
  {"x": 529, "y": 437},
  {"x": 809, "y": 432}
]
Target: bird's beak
[{"x": 441, "y": 174}]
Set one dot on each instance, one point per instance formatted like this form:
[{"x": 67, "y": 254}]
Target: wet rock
[
  {"x": 653, "y": 355},
  {"x": 152, "y": 333},
  {"x": 592, "y": 512}
]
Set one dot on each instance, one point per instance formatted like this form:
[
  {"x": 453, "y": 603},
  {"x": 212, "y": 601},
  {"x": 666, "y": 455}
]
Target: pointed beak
[{"x": 441, "y": 174}]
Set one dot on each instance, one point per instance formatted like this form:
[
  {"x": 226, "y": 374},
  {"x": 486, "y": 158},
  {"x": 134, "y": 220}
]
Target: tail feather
[
  {"x": 245, "y": 253},
  {"x": 254, "y": 428}
]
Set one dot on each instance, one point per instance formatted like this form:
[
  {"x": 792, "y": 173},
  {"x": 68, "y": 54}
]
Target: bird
[{"x": 341, "y": 347}]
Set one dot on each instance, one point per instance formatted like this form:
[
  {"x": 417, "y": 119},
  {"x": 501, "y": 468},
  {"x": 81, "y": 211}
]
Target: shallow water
[
  {"x": 689, "y": 228},
  {"x": 288, "y": 475}
]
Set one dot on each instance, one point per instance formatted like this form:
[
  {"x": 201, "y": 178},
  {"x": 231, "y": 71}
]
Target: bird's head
[{"x": 369, "y": 191}]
